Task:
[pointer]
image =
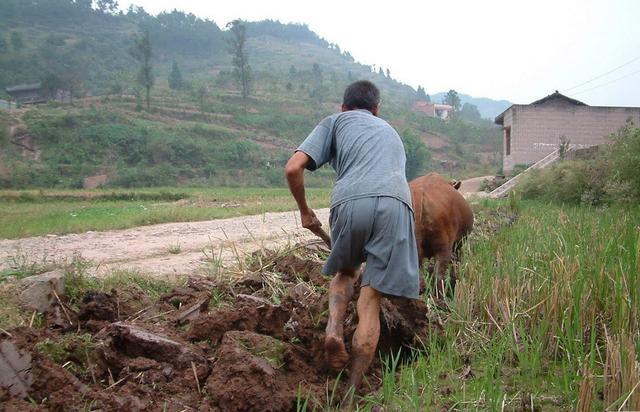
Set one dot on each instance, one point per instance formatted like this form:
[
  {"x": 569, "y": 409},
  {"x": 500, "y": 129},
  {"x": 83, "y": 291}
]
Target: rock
[
  {"x": 15, "y": 370},
  {"x": 37, "y": 293},
  {"x": 193, "y": 312},
  {"x": 134, "y": 341}
]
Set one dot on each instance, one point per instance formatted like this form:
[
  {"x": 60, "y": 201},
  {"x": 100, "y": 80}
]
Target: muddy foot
[{"x": 337, "y": 355}]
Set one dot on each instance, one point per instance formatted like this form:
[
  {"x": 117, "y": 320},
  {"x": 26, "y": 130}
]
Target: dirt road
[
  {"x": 472, "y": 185},
  {"x": 165, "y": 249}
]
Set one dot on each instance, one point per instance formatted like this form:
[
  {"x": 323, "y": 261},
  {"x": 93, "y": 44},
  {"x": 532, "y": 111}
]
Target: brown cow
[{"x": 443, "y": 220}]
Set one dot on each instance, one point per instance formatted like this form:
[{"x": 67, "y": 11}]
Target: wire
[
  {"x": 602, "y": 75},
  {"x": 609, "y": 82}
]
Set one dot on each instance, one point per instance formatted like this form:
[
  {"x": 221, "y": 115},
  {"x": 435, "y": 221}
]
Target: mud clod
[
  {"x": 257, "y": 373},
  {"x": 249, "y": 313},
  {"x": 134, "y": 341}
]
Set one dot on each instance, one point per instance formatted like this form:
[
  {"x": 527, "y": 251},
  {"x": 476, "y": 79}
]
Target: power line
[
  {"x": 609, "y": 82},
  {"x": 602, "y": 75}
]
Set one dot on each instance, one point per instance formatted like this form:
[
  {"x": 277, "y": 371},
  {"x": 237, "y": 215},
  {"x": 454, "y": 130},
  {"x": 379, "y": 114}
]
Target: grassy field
[
  {"x": 545, "y": 317},
  {"x": 33, "y": 213}
]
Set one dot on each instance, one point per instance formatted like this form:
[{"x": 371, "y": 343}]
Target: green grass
[
  {"x": 34, "y": 213},
  {"x": 543, "y": 307}
]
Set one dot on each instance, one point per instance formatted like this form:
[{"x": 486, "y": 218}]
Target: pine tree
[
  {"x": 142, "y": 52},
  {"x": 236, "y": 46},
  {"x": 176, "y": 81}
]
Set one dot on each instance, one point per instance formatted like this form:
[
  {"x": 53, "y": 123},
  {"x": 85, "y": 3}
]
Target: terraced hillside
[{"x": 203, "y": 132}]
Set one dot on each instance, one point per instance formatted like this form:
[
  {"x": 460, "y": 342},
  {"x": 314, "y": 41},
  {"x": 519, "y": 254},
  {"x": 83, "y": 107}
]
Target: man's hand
[{"x": 310, "y": 221}]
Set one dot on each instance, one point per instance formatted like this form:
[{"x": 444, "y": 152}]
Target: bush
[{"x": 611, "y": 177}]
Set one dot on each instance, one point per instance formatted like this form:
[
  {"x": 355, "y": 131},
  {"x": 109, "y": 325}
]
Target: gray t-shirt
[{"x": 365, "y": 151}]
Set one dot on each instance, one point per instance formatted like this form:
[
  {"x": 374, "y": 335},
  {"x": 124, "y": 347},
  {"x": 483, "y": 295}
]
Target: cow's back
[{"x": 442, "y": 214}]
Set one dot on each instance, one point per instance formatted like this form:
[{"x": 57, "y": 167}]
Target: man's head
[{"x": 361, "y": 95}]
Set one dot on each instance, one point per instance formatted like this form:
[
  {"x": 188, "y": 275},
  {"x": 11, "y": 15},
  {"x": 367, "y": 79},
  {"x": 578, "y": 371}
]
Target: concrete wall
[{"x": 536, "y": 130}]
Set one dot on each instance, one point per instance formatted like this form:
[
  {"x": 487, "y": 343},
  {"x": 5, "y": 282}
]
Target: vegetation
[
  {"x": 201, "y": 128},
  {"x": 33, "y": 213},
  {"x": 453, "y": 100},
  {"x": 237, "y": 48},
  {"x": 610, "y": 177},
  {"x": 142, "y": 52}
]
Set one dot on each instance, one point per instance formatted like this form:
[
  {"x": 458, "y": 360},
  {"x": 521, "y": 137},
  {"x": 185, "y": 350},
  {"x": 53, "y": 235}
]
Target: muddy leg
[
  {"x": 340, "y": 293},
  {"x": 365, "y": 338}
]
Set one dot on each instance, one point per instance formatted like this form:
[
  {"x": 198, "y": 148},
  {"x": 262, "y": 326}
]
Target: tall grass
[{"x": 545, "y": 315}]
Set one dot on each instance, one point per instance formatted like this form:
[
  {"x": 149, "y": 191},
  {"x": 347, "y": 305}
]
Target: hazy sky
[{"x": 502, "y": 49}]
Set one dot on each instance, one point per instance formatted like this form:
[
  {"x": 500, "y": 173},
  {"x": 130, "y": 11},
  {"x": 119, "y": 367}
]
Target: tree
[
  {"x": 452, "y": 99},
  {"x": 201, "y": 94},
  {"x": 107, "y": 6},
  {"x": 381, "y": 72},
  {"x": 16, "y": 41},
  {"x": 176, "y": 81},
  {"x": 422, "y": 95},
  {"x": 388, "y": 73},
  {"x": 4, "y": 46},
  {"x": 50, "y": 84},
  {"x": 418, "y": 154},
  {"x": 470, "y": 112},
  {"x": 142, "y": 52},
  {"x": 318, "y": 78},
  {"x": 236, "y": 46}
]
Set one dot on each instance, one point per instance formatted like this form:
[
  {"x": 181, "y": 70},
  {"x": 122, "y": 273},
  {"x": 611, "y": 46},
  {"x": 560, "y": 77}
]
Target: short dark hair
[{"x": 361, "y": 95}]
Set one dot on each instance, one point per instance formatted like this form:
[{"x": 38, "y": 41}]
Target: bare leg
[
  {"x": 340, "y": 293},
  {"x": 365, "y": 339}
]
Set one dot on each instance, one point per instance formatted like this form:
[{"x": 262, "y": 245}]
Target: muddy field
[{"x": 252, "y": 345}]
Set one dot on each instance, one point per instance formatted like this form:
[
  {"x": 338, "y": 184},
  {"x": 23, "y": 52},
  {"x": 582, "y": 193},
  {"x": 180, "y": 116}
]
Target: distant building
[
  {"x": 532, "y": 131},
  {"x": 443, "y": 111},
  {"x": 33, "y": 93}
]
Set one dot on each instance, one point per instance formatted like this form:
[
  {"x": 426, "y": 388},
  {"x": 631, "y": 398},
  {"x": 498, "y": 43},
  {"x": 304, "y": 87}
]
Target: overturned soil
[{"x": 254, "y": 345}]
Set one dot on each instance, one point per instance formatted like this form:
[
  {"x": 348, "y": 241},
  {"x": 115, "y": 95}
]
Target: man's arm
[{"x": 294, "y": 171}]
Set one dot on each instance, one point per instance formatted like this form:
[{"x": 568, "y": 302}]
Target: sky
[{"x": 502, "y": 49}]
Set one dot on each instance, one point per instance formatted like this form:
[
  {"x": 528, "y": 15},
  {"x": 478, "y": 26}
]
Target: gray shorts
[{"x": 380, "y": 232}]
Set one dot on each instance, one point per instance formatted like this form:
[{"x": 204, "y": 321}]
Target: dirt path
[
  {"x": 472, "y": 185},
  {"x": 166, "y": 249}
]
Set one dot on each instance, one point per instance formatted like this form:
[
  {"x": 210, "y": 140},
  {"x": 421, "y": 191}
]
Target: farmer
[{"x": 371, "y": 220}]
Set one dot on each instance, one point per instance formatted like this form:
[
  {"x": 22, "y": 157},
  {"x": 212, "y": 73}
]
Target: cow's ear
[{"x": 456, "y": 184}]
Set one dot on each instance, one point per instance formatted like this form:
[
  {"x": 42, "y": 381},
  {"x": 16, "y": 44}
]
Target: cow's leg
[
  {"x": 443, "y": 258},
  {"x": 455, "y": 269}
]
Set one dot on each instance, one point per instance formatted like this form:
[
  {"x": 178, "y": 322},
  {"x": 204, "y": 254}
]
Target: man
[{"x": 371, "y": 219}]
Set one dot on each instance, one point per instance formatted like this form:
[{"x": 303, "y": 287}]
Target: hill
[{"x": 202, "y": 133}]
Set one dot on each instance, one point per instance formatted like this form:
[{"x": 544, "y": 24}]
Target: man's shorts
[{"x": 380, "y": 232}]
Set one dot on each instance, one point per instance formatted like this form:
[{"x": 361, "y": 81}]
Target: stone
[{"x": 38, "y": 290}]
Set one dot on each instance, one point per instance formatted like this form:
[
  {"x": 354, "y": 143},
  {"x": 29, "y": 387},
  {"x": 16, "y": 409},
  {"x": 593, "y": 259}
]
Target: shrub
[{"x": 611, "y": 177}]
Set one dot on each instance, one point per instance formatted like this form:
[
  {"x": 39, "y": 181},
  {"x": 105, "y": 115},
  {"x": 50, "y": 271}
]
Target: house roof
[
  {"x": 23, "y": 87},
  {"x": 559, "y": 96},
  {"x": 553, "y": 96}
]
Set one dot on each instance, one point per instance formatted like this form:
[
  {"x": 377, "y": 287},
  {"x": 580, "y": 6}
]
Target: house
[
  {"x": 443, "y": 111},
  {"x": 532, "y": 131},
  {"x": 33, "y": 93}
]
